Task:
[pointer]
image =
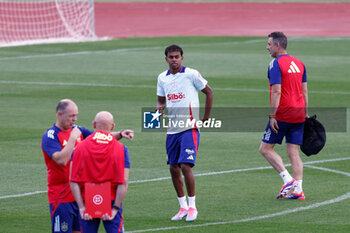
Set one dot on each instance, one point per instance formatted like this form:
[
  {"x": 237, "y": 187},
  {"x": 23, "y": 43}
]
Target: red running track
[{"x": 221, "y": 19}]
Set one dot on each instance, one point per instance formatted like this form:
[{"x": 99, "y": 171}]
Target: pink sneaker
[
  {"x": 182, "y": 213},
  {"x": 192, "y": 214}
]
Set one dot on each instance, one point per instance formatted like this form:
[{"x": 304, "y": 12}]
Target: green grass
[{"x": 34, "y": 78}]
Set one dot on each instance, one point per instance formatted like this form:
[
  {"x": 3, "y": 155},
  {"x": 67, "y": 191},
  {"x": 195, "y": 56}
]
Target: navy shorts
[
  {"x": 182, "y": 147},
  {"x": 65, "y": 218},
  {"x": 116, "y": 225},
  {"x": 292, "y": 131}
]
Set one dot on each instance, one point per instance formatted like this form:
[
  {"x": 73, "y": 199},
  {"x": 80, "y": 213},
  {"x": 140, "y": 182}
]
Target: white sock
[
  {"x": 183, "y": 202},
  {"x": 299, "y": 187},
  {"x": 286, "y": 176},
  {"x": 192, "y": 202}
]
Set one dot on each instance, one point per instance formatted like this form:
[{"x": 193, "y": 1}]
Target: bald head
[{"x": 104, "y": 122}]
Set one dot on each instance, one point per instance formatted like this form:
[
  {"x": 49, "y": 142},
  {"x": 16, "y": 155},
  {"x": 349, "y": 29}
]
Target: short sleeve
[
  {"x": 274, "y": 73},
  {"x": 126, "y": 157},
  {"x": 198, "y": 81},
  {"x": 50, "y": 142},
  {"x": 304, "y": 76},
  {"x": 160, "y": 89}
]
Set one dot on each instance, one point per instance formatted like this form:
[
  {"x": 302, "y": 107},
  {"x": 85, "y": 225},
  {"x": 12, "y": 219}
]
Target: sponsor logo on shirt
[
  {"x": 176, "y": 97},
  {"x": 102, "y": 138}
]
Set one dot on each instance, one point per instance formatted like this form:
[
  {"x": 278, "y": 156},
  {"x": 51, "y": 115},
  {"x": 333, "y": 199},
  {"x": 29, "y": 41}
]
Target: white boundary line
[
  {"x": 288, "y": 211},
  {"x": 22, "y": 194},
  {"x": 75, "y": 84},
  {"x": 127, "y": 50},
  {"x": 152, "y": 87},
  {"x": 78, "y": 53},
  {"x": 162, "y": 47},
  {"x": 199, "y": 174},
  {"x": 240, "y": 170},
  {"x": 328, "y": 170},
  {"x": 312, "y": 206}
]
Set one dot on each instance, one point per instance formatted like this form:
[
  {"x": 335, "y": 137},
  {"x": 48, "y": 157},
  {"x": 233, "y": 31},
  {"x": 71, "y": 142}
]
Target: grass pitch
[{"x": 235, "y": 190}]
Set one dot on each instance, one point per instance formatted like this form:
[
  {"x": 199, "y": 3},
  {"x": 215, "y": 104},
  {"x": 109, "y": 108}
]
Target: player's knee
[
  {"x": 186, "y": 167},
  {"x": 174, "y": 169},
  {"x": 264, "y": 150}
]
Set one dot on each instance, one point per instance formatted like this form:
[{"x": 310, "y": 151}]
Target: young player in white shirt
[{"x": 177, "y": 89}]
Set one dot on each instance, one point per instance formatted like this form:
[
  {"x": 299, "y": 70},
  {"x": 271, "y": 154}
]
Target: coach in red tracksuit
[{"x": 101, "y": 158}]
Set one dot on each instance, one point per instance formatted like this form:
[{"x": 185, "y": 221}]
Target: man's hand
[
  {"x": 161, "y": 104},
  {"x": 106, "y": 217},
  {"x": 75, "y": 134},
  {"x": 274, "y": 125},
  {"x": 127, "y": 133},
  {"x": 161, "y": 110},
  {"x": 84, "y": 215}
]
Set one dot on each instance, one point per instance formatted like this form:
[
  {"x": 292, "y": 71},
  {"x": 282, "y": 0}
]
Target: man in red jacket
[{"x": 98, "y": 159}]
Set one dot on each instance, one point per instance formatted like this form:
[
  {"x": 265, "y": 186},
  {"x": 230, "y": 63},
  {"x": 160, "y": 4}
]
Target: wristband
[
  {"x": 120, "y": 132},
  {"x": 271, "y": 116}
]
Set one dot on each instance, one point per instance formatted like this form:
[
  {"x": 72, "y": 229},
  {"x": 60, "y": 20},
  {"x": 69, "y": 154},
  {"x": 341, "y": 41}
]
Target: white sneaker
[
  {"x": 192, "y": 214},
  {"x": 182, "y": 213}
]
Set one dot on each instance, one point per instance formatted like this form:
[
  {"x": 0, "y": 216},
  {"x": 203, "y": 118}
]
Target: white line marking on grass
[
  {"x": 239, "y": 170},
  {"x": 204, "y": 174},
  {"x": 76, "y": 84},
  {"x": 326, "y": 161},
  {"x": 265, "y": 90},
  {"x": 152, "y": 86},
  {"x": 22, "y": 194},
  {"x": 79, "y": 53},
  {"x": 328, "y": 170},
  {"x": 289, "y": 211},
  {"x": 161, "y": 47},
  {"x": 127, "y": 50},
  {"x": 312, "y": 206},
  {"x": 199, "y": 174},
  {"x": 318, "y": 38}
]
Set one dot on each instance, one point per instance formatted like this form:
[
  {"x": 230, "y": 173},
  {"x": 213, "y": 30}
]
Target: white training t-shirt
[{"x": 181, "y": 93}]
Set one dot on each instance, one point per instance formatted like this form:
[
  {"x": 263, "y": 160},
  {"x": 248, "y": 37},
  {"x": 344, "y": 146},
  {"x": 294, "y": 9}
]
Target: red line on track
[{"x": 221, "y": 19}]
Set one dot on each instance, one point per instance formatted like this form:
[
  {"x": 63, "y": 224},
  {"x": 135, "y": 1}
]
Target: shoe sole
[
  {"x": 192, "y": 220},
  {"x": 299, "y": 198},
  {"x": 178, "y": 218}
]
